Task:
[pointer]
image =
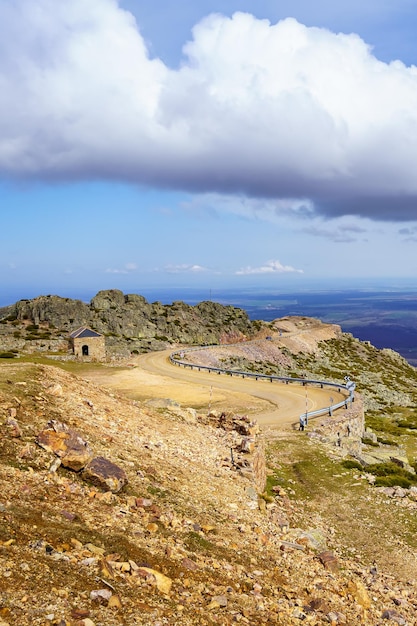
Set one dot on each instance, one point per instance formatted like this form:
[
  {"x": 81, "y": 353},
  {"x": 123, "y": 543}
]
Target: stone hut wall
[
  {"x": 255, "y": 463},
  {"x": 344, "y": 429},
  {"x": 96, "y": 348}
]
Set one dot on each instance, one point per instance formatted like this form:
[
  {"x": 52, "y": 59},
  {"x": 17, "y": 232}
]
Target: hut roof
[{"x": 84, "y": 332}]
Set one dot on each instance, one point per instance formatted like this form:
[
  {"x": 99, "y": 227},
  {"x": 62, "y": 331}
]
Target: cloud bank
[{"x": 263, "y": 110}]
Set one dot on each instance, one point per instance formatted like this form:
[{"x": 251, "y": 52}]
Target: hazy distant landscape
[{"x": 388, "y": 319}]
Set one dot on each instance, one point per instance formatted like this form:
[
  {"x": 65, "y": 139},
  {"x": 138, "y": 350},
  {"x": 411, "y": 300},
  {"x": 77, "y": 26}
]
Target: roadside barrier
[{"x": 178, "y": 358}]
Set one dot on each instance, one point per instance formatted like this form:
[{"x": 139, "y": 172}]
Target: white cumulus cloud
[
  {"x": 184, "y": 268},
  {"x": 279, "y": 111},
  {"x": 271, "y": 267},
  {"x": 127, "y": 269}
]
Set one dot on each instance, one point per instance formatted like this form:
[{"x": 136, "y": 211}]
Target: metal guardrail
[{"x": 177, "y": 358}]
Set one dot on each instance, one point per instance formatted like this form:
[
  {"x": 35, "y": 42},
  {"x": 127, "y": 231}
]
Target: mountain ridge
[{"x": 129, "y": 323}]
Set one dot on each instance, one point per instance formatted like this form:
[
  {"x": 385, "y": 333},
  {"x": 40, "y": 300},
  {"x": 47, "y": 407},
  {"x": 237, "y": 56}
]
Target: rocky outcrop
[
  {"x": 129, "y": 323},
  {"x": 247, "y": 446},
  {"x": 54, "y": 310}
]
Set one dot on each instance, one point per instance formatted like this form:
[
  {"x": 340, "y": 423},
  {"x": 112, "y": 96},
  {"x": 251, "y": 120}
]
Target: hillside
[
  {"x": 183, "y": 514},
  {"x": 189, "y": 539}
]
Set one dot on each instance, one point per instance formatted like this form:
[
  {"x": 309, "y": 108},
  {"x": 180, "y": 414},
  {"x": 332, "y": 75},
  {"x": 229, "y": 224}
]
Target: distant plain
[{"x": 388, "y": 319}]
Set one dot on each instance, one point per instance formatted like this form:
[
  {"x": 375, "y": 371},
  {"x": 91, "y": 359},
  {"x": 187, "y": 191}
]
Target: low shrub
[
  {"x": 370, "y": 442},
  {"x": 387, "y": 468},
  {"x": 7, "y": 355},
  {"x": 407, "y": 424},
  {"x": 387, "y": 442},
  {"x": 393, "y": 480},
  {"x": 390, "y": 474},
  {"x": 352, "y": 464}
]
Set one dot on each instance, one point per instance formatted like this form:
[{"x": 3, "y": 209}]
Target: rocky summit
[{"x": 129, "y": 323}]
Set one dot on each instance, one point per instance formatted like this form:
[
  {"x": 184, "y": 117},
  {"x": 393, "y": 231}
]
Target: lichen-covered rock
[{"x": 105, "y": 474}]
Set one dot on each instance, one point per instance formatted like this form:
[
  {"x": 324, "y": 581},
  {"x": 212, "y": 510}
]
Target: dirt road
[{"x": 274, "y": 405}]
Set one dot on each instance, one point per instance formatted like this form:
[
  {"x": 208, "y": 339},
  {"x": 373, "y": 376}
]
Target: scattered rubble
[{"x": 189, "y": 539}]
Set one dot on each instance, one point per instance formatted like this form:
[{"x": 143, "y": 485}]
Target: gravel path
[{"x": 276, "y": 405}]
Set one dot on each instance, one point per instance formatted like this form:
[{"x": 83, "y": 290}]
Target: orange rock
[
  {"x": 359, "y": 592},
  {"x": 152, "y": 527},
  {"x": 65, "y": 443},
  {"x": 163, "y": 583},
  {"x": 115, "y": 602}
]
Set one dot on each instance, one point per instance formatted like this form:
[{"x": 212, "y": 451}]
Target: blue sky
[{"x": 207, "y": 145}]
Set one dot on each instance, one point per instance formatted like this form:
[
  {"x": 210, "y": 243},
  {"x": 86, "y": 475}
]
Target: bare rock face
[
  {"x": 105, "y": 474},
  {"x": 108, "y": 299},
  {"x": 62, "y": 312},
  {"x": 129, "y": 322},
  {"x": 73, "y": 451}
]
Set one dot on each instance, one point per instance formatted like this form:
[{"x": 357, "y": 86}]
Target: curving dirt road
[{"x": 274, "y": 404}]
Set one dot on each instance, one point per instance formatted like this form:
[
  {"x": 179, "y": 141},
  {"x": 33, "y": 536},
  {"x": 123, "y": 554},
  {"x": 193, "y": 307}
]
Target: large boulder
[
  {"x": 105, "y": 474},
  {"x": 60, "y": 312},
  {"x": 73, "y": 451}
]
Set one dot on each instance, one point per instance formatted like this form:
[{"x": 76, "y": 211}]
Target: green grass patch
[
  {"x": 157, "y": 491},
  {"x": 197, "y": 543},
  {"x": 310, "y": 476},
  {"x": 370, "y": 442},
  {"x": 393, "y": 421},
  {"x": 407, "y": 424},
  {"x": 352, "y": 464},
  {"x": 386, "y": 442},
  {"x": 393, "y": 480}
]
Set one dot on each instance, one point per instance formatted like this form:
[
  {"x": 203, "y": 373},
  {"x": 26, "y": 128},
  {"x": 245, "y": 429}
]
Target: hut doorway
[{"x": 85, "y": 350}]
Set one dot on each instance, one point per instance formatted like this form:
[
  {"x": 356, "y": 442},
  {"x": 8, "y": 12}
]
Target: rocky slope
[
  {"x": 187, "y": 540},
  {"x": 306, "y": 347},
  {"x": 129, "y": 322}
]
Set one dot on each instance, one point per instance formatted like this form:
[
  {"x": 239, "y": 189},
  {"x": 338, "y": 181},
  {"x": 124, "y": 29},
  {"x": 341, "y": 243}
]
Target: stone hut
[{"x": 87, "y": 343}]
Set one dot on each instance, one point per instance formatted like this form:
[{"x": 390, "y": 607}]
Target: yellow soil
[{"x": 151, "y": 376}]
